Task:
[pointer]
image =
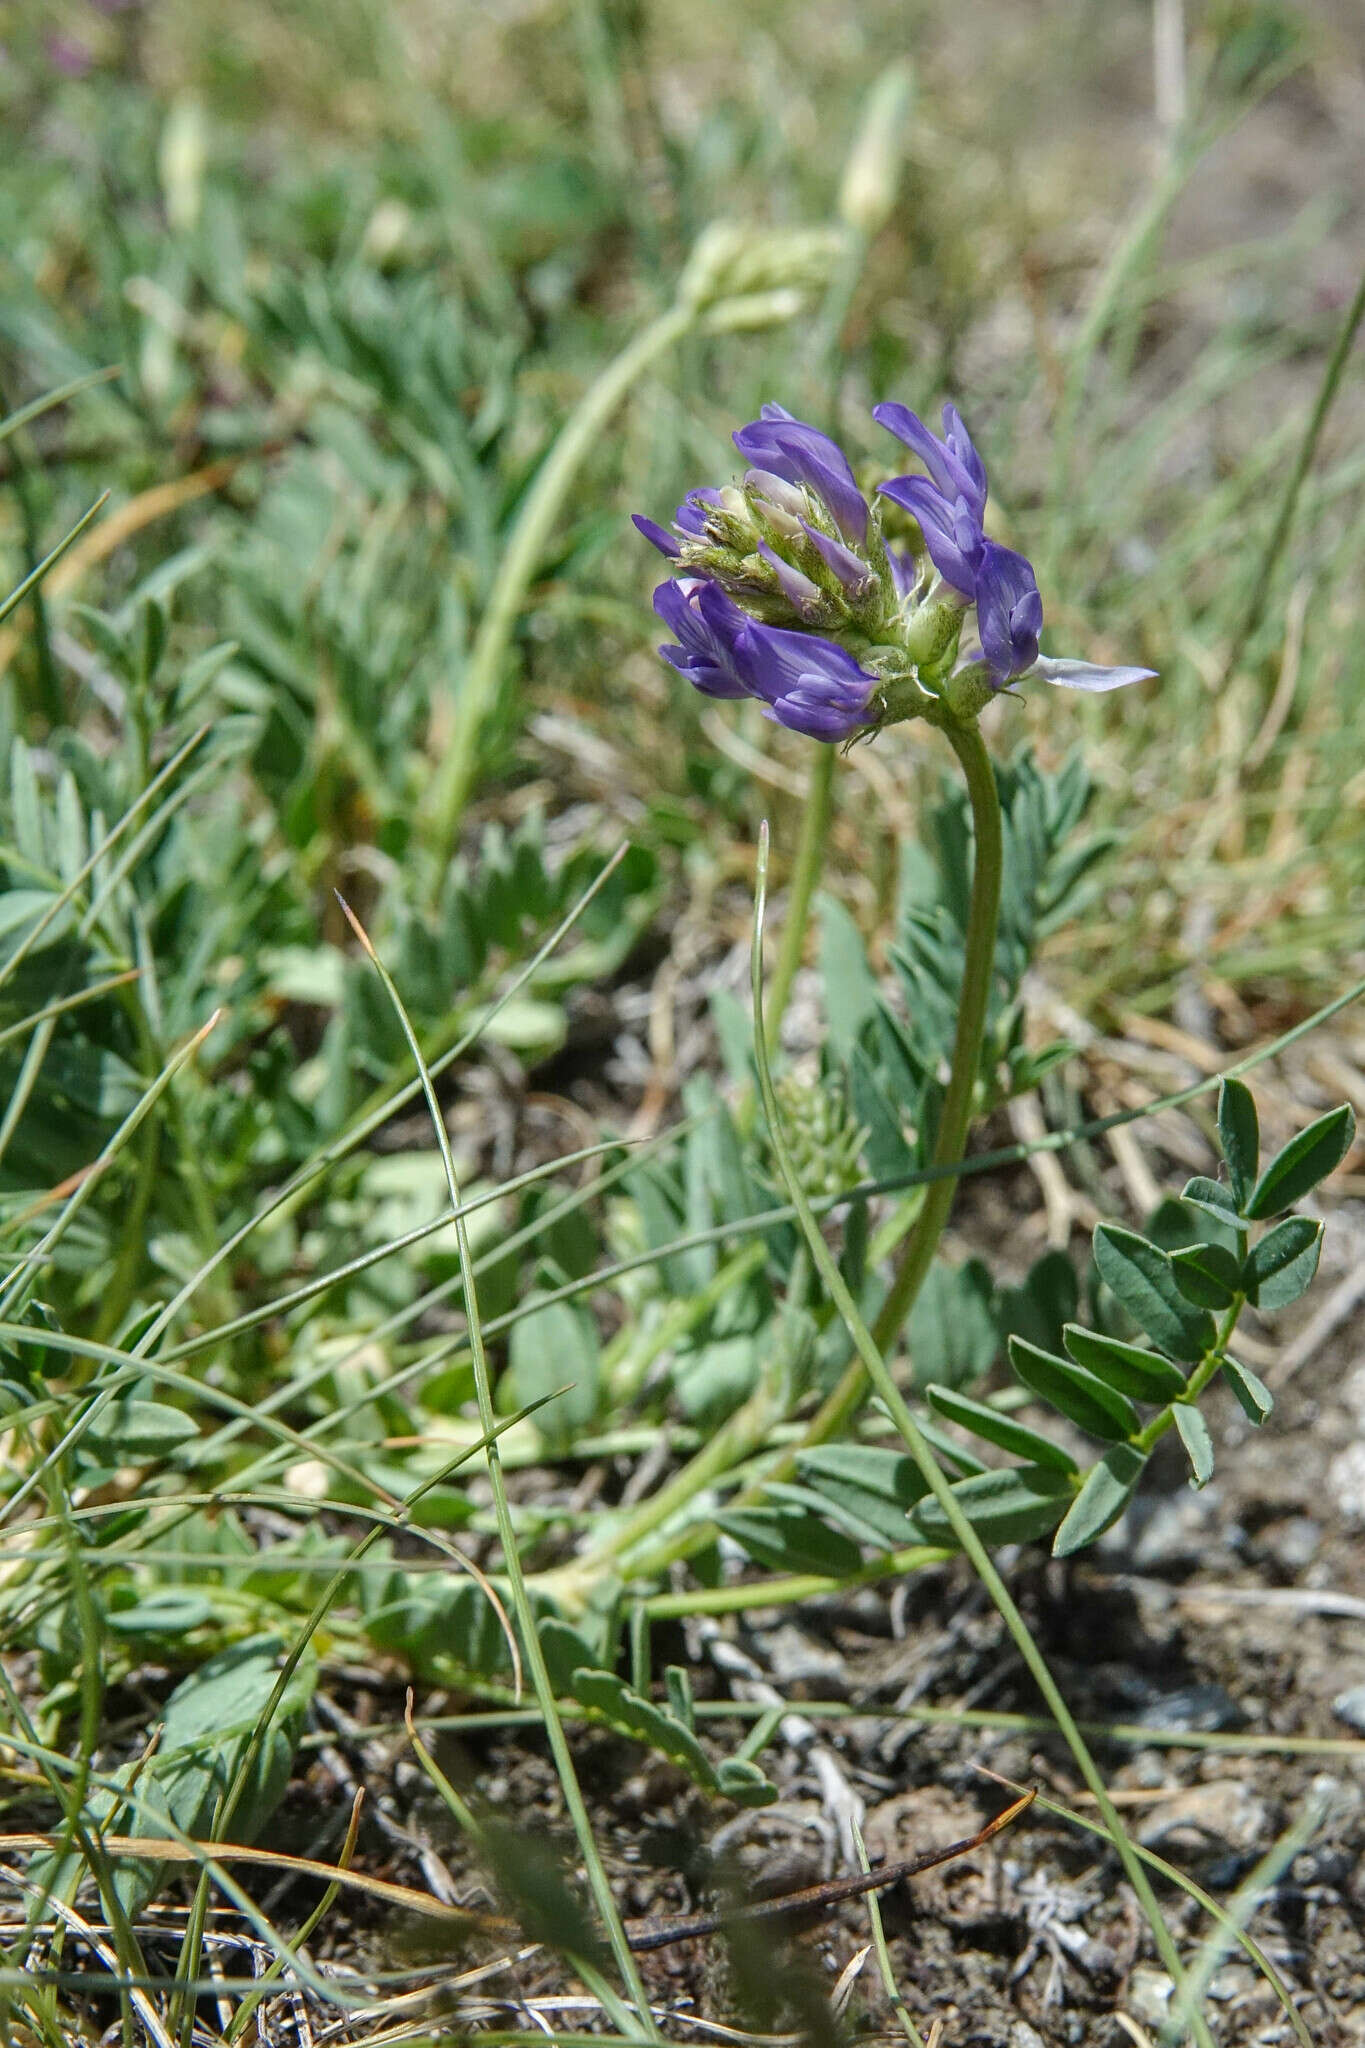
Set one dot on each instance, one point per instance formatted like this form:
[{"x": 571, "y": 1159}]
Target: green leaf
[
  {"x": 1012, "y": 1504},
  {"x": 1194, "y": 1434},
  {"x": 1088, "y": 1401},
  {"x": 1283, "y": 1265},
  {"x": 1043, "y": 1304},
  {"x": 1140, "y": 1277},
  {"x": 209, "y": 1724},
  {"x": 172, "y": 1612},
  {"x": 556, "y": 1347},
  {"x": 1145, "y": 1375},
  {"x": 952, "y": 1330},
  {"x": 739, "y": 1779},
  {"x": 1003, "y": 1430},
  {"x": 1213, "y": 1197},
  {"x": 885, "y": 1147},
  {"x": 129, "y": 1431},
  {"x": 868, "y": 1489},
  {"x": 1108, "y": 1488},
  {"x": 789, "y": 1538},
  {"x": 850, "y": 987},
  {"x": 1207, "y": 1274},
  {"x": 1253, "y": 1395},
  {"x": 1239, "y": 1134},
  {"x": 1305, "y": 1160}
]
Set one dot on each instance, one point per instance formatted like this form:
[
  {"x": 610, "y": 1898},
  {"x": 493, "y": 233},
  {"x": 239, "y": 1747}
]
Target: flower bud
[{"x": 872, "y": 174}]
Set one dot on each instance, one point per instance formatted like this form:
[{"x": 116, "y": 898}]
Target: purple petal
[
  {"x": 655, "y": 535},
  {"x": 952, "y": 534},
  {"x": 801, "y": 454},
  {"x": 1009, "y": 611},
  {"x": 796, "y": 588},
  {"x": 851, "y": 570},
  {"x": 953, "y": 463},
  {"x": 1084, "y": 675}
]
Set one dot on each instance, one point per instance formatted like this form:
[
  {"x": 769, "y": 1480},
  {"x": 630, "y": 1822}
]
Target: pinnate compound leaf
[
  {"x": 1144, "y": 1375},
  {"x": 1194, "y": 1434},
  {"x": 611, "y": 1703},
  {"x": 1253, "y": 1395},
  {"x": 1012, "y": 1504},
  {"x": 1003, "y": 1430},
  {"x": 1207, "y": 1274},
  {"x": 1239, "y": 1134},
  {"x": 1140, "y": 1277},
  {"x": 1283, "y": 1265},
  {"x": 1305, "y": 1160},
  {"x": 1108, "y": 1488},
  {"x": 1085, "y": 1399}
]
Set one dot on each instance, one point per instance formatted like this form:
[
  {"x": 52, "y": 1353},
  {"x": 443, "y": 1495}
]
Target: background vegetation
[{"x": 351, "y": 269}]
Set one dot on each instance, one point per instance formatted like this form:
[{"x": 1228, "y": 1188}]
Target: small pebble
[
  {"x": 1194, "y": 1709},
  {"x": 1148, "y": 1997},
  {"x": 1349, "y": 1706},
  {"x": 1294, "y": 1542},
  {"x": 1224, "y": 1816},
  {"x": 1346, "y": 1482},
  {"x": 1022, "y": 2035}
]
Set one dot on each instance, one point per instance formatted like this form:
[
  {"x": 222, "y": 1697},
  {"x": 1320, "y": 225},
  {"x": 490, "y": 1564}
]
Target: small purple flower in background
[
  {"x": 799, "y": 454},
  {"x": 69, "y": 55}
]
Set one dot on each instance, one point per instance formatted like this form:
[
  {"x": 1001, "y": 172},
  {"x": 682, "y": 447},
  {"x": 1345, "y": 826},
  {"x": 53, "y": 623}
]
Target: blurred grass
[{"x": 374, "y": 255}]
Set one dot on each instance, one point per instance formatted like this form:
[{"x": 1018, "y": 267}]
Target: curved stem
[
  {"x": 983, "y": 917},
  {"x": 454, "y": 774},
  {"x": 878, "y": 1374},
  {"x": 810, "y": 859}
]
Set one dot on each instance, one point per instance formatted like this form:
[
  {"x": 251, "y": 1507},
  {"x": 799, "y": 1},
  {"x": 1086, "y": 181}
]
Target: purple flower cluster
[{"x": 763, "y": 567}]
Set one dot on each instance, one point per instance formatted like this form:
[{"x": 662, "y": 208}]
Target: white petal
[{"x": 1084, "y": 675}]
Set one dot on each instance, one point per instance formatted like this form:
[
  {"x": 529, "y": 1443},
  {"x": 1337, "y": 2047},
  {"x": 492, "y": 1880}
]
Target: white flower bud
[{"x": 872, "y": 174}]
